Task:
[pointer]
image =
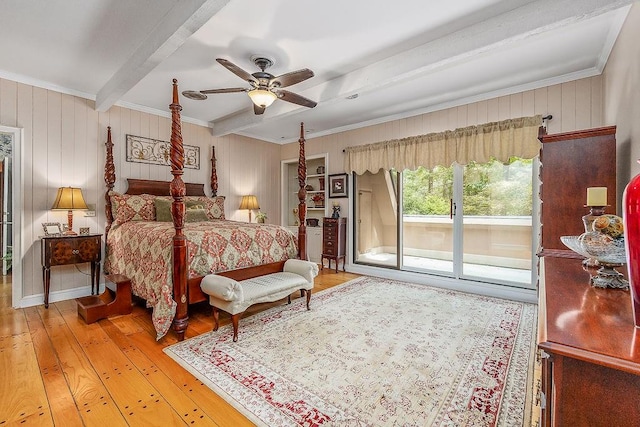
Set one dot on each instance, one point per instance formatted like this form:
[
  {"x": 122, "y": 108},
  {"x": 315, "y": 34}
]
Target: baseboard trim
[{"x": 63, "y": 295}]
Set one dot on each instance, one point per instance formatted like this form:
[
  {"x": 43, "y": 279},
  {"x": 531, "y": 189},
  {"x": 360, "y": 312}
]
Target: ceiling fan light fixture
[{"x": 261, "y": 97}]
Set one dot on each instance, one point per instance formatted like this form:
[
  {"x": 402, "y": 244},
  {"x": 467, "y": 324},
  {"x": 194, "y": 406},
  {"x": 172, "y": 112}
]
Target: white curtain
[{"x": 500, "y": 140}]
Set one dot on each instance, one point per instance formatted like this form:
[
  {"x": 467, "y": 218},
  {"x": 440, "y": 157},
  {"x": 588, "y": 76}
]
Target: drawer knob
[{"x": 75, "y": 252}]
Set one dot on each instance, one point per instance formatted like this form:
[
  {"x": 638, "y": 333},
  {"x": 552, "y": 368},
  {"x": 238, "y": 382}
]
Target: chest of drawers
[{"x": 334, "y": 241}]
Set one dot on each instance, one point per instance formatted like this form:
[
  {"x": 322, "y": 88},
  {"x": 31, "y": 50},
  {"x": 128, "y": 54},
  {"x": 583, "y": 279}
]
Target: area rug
[{"x": 374, "y": 352}]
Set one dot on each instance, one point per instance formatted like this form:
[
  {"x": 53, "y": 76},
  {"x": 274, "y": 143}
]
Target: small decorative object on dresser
[
  {"x": 52, "y": 228},
  {"x": 312, "y": 222},
  {"x": 84, "y": 231},
  {"x": 336, "y": 210},
  {"x": 338, "y": 185},
  {"x": 334, "y": 241},
  {"x": 596, "y": 202}
]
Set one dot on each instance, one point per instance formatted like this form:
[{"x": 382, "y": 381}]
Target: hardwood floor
[{"x": 57, "y": 370}]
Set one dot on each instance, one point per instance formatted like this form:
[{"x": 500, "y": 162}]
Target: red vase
[{"x": 631, "y": 217}]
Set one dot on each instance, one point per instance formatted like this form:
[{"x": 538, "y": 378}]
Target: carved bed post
[
  {"x": 214, "y": 173},
  {"x": 178, "y": 191},
  {"x": 109, "y": 179},
  {"x": 302, "y": 197}
]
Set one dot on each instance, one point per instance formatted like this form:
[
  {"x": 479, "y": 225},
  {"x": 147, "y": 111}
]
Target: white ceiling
[{"x": 400, "y": 58}]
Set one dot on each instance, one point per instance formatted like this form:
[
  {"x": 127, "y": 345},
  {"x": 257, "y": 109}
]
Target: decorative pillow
[
  {"x": 213, "y": 205},
  {"x": 196, "y": 215},
  {"x": 163, "y": 209},
  {"x": 128, "y": 207}
]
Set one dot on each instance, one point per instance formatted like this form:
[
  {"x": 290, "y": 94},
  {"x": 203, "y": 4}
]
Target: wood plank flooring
[{"x": 57, "y": 370}]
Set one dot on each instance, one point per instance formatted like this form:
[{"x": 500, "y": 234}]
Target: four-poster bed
[{"x": 265, "y": 254}]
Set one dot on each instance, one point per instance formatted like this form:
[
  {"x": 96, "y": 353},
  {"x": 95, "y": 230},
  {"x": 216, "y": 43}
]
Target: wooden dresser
[
  {"x": 334, "y": 241},
  {"x": 590, "y": 349}
]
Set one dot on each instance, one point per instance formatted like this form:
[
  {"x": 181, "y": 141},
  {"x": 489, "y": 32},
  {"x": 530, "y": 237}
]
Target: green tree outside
[{"x": 489, "y": 189}]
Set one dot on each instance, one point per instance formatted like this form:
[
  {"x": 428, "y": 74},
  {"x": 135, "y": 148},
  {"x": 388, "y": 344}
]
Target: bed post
[
  {"x": 109, "y": 179},
  {"x": 302, "y": 197},
  {"x": 178, "y": 191},
  {"x": 214, "y": 173}
]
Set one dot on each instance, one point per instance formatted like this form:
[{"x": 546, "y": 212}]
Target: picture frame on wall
[
  {"x": 338, "y": 185},
  {"x": 157, "y": 152}
]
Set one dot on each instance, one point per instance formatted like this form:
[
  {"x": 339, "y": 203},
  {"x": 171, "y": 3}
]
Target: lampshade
[
  {"x": 262, "y": 98},
  {"x": 249, "y": 202},
  {"x": 69, "y": 198}
]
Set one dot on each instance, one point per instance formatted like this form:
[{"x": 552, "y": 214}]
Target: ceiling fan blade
[
  {"x": 289, "y": 79},
  {"x": 194, "y": 94},
  {"x": 236, "y": 70},
  {"x": 258, "y": 109},
  {"x": 226, "y": 90},
  {"x": 285, "y": 95}
]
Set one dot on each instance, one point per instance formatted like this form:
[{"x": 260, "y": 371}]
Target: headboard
[{"x": 160, "y": 188}]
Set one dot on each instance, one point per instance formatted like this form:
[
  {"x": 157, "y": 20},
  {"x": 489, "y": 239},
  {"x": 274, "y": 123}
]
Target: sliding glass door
[
  {"x": 427, "y": 220},
  {"x": 497, "y": 212},
  {"x": 376, "y": 226},
  {"x": 474, "y": 221}
]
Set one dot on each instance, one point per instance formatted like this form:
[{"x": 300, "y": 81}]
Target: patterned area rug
[{"x": 374, "y": 352}]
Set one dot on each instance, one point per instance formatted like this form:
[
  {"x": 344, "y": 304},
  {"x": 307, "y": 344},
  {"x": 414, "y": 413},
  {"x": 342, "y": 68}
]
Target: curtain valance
[{"x": 501, "y": 140}]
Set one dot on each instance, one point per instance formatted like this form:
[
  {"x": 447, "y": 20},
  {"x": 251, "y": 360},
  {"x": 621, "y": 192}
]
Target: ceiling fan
[{"x": 265, "y": 87}]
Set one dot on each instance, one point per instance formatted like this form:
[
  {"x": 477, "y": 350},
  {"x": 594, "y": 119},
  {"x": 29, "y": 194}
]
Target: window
[{"x": 474, "y": 221}]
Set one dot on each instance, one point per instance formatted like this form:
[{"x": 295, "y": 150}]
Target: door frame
[{"x": 17, "y": 214}]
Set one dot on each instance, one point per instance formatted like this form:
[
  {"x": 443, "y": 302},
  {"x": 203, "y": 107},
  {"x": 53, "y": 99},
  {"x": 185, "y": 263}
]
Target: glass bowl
[{"x": 608, "y": 253}]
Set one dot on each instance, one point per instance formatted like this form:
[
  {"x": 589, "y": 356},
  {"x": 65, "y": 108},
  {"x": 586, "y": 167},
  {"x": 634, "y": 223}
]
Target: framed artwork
[
  {"x": 338, "y": 185},
  {"x": 157, "y": 152},
  {"x": 52, "y": 228}
]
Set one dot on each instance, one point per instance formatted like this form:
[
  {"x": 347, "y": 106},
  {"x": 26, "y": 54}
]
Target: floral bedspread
[{"x": 142, "y": 251}]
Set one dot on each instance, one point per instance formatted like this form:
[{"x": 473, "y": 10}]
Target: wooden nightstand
[
  {"x": 334, "y": 241},
  {"x": 69, "y": 250}
]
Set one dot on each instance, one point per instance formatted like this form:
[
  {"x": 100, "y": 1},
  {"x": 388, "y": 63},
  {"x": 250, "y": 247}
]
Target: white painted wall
[{"x": 64, "y": 145}]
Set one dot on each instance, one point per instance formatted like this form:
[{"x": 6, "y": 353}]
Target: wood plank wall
[
  {"x": 574, "y": 105},
  {"x": 64, "y": 145}
]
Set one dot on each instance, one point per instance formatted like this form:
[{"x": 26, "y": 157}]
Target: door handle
[{"x": 452, "y": 208}]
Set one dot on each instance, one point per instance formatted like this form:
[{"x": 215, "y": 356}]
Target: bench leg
[
  {"x": 235, "y": 319},
  {"x": 216, "y": 313},
  {"x": 308, "y": 299}
]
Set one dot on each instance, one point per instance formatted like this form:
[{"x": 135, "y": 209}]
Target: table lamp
[
  {"x": 249, "y": 202},
  {"x": 69, "y": 199}
]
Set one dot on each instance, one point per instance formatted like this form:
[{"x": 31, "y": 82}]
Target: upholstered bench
[{"x": 234, "y": 297}]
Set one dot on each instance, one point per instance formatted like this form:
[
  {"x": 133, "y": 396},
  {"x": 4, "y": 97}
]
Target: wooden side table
[
  {"x": 334, "y": 241},
  {"x": 69, "y": 250}
]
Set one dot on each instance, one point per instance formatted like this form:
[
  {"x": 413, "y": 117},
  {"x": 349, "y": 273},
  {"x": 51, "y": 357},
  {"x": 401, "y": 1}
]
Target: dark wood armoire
[{"x": 571, "y": 163}]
